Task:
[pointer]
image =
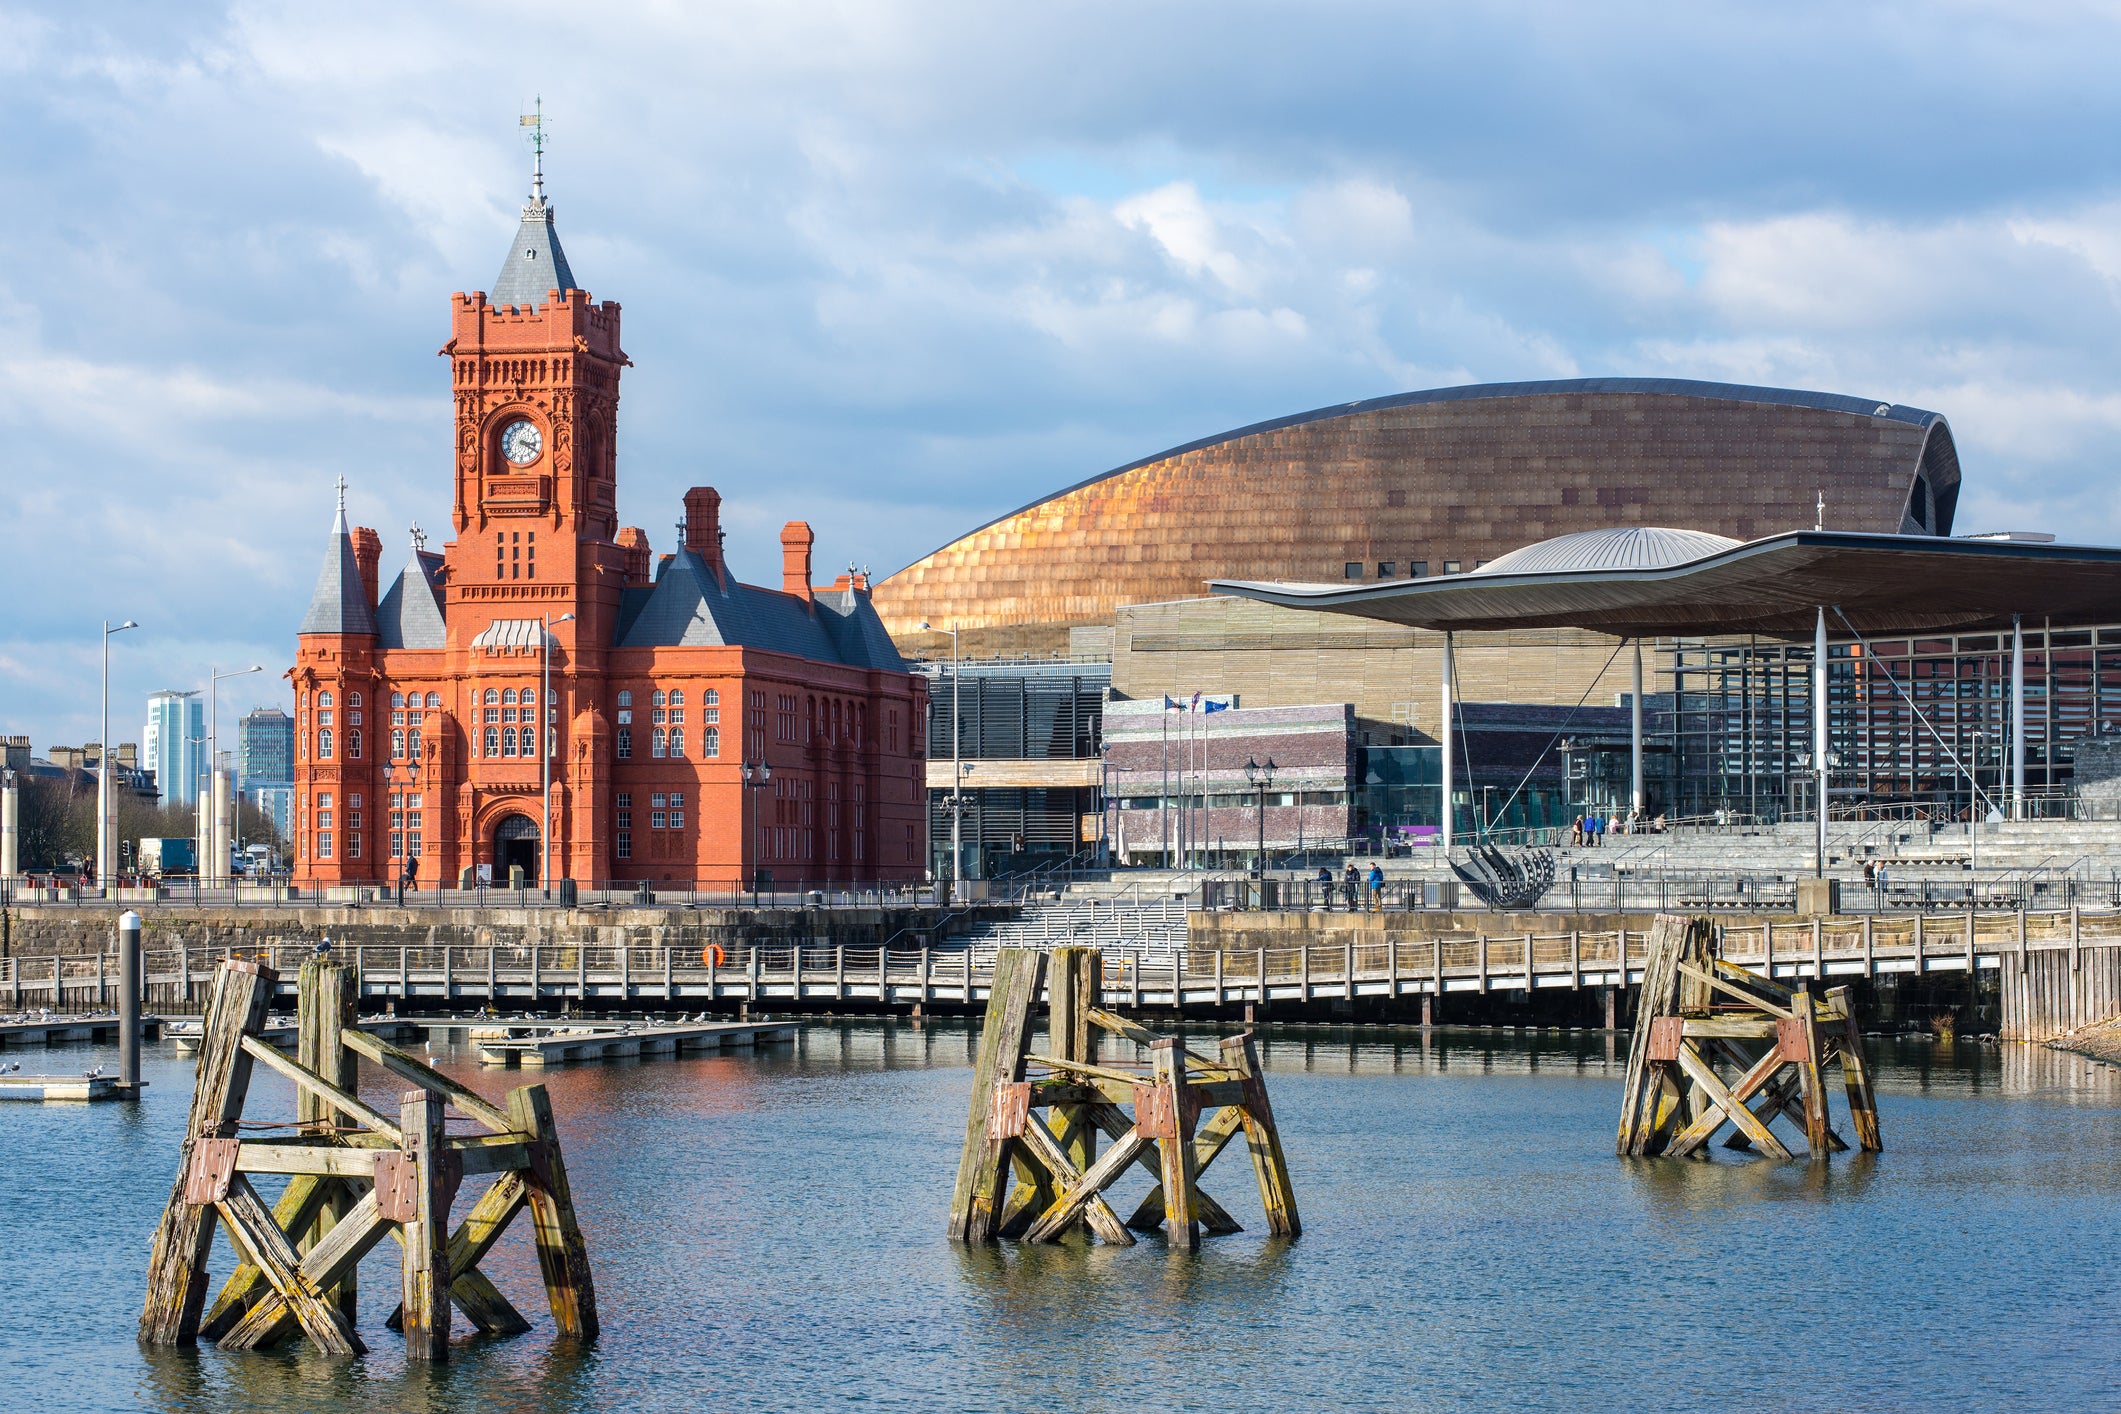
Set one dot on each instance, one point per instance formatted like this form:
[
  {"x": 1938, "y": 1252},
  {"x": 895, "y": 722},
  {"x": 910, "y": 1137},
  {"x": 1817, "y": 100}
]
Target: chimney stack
[
  {"x": 796, "y": 540},
  {"x": 634, "y": 541},
  {"x": 703, "y": 526},
  {"x": 368, "y": 554}
]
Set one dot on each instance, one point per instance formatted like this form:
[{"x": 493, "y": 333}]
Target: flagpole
[{"x": 1163, "y": 802}]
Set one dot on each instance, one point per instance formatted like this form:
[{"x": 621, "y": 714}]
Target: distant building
[
  {"x": 173, "y": 744},
  {"x": 265, "y": 763}
]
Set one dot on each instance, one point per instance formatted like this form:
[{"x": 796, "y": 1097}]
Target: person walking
[
  {"x": 1325, "y": 887},
  {"x": 1377, "y": 889},
  {"x": 410, "y": 879},
  {"x": 1352, "y": 882}
]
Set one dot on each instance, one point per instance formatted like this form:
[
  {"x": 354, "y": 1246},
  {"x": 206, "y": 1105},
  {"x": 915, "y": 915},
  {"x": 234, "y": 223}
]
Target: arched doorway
[{"x": 515, "y": 845}]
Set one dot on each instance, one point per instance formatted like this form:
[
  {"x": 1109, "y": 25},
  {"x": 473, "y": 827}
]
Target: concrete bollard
[{"x": 129, "y": 979}]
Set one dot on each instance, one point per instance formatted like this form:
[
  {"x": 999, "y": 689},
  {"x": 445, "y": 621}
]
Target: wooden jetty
[
  {"x": 536, "y": 1044},
  {"x": 1716, "y": 1045},
  {"x": 356, "y": 1176},
  {"x": 59, "y": 1087},
  {"x": 286, "y": 1034},
  {"x": 1060, "y": 1179},
  {"x": 59, "y": 1030},
  {"x": 2057, "y": 970}
]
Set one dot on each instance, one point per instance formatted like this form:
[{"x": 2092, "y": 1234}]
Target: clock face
[{"x": 521, "y": 442}]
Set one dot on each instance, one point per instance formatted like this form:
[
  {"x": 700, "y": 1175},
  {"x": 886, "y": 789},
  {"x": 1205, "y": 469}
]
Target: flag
[
  {"x": 1170, "y": 706},
  {"x": 1216, "y": 707},
  {"x": 1195, "y": 705}
]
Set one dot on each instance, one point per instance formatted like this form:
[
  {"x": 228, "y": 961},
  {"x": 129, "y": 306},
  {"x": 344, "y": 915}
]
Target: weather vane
[{"x": 535, "y": 121}]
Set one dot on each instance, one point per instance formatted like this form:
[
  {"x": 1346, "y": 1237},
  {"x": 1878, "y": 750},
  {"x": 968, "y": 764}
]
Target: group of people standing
[{"x": 1590, "y": 830}]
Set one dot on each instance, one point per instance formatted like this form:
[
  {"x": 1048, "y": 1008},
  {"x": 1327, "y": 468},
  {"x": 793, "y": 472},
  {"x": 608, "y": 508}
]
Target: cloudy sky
[{"x": 895, "y": 267}]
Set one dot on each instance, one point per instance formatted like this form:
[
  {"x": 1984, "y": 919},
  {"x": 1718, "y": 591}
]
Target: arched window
[
  {"x": 493, "y": 741},
  {"x": 677, "y": 742},
  {"x": 397, "y": 744},
  {"x": 324, "y": 743},
  {"x": 397, "y": 699},
  {"x": 711, "y": 697},
  {"x": 677, "y": 697},
  {"x": 625, "y": 740},
  {"x": 656, "y": 699},
  {"x": 324, "y": 699},
  {"x": 415, "y": 743},
  {"x": 492, "y": 697},
  {"x": 434, "y": 701},
  {"x": 508, "y": 741},
  {"x": 353, "y": 744},
  {"x": 353, "y": 699},
  {"x": 626, "y": 699},
  {"x": 710, "y": 742},
  {"x": 861, "y": 722},
  {"x": 659, "y": 742},
  {"x": 509, "y": 696}
]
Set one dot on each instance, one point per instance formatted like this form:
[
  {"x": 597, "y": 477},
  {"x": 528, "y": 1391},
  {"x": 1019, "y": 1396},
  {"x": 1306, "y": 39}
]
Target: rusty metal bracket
[
  {"x": 213, "y": 1164},
  {"x": 1791, "y": 1040},
  {"x": 397, "y": 1188},
  {"x": 1665, "y": 1035},
  {"x": 1012, "y": 1109},
  {"x": 1153, "y": 1116}
]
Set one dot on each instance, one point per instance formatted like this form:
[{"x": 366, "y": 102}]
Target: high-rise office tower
[{"x": 173, "y": 744}]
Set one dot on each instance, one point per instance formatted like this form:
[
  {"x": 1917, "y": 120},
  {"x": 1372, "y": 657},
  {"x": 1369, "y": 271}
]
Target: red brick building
[{"x": 416, "y": 709}]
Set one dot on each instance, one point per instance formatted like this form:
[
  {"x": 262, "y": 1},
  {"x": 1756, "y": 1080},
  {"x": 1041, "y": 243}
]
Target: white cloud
[{"x": 896, "y": 266}]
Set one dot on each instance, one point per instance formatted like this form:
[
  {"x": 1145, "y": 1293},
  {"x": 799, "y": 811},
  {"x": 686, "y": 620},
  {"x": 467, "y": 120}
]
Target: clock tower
[{"x": 534, "y": 365}]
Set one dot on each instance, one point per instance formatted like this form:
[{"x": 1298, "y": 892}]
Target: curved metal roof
[
  {"x": 1473, "y": 392},
  {"x": 1773, "y": 586},
  {"x": 1627, "y": 547}
]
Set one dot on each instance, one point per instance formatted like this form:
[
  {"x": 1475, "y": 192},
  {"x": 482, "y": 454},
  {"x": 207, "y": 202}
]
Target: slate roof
[
  {"x": 536, "y": 266},
  {"x": 340, "y": 604},
  {"x": 410, "y": 615},
  {"x": 687, "y": 608}
]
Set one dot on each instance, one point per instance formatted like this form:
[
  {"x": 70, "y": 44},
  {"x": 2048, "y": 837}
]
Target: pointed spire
[
  {"x": 536, "y": 265},
  {"x": 340, "y": 604}
]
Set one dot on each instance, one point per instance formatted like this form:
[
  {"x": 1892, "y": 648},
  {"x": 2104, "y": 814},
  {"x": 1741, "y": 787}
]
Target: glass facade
[
  {"x": 1013, "y": 710},
  {"x": 1910, "y": 721}
]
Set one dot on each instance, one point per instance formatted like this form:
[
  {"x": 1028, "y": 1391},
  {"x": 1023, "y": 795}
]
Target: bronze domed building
[{"x": 1428, "y": 483}]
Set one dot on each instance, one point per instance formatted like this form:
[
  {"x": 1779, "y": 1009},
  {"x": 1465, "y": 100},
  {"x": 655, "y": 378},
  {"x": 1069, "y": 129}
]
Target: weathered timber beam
[
  {"x": 1715, "y": 1117},
  {"x": 349, "y": 1105},
  {"x": 336, "y": 1254},
  {"x": 1745, "y": 976},
  {"x": 1729, "y": 989},
  {"x": 1081, "y": 1194},
  {"x": 409, "y": 1067},
  {"x": 1056, "y": 1091},
  {"x": 1698, "y": 1071},
  {"x": 300, "y": 1202},
  {"x": 1097, "y": 1072},
  {"x": 318, "y": 1160},
  {"x": 1740, "y": 1028},
  {"x": 250, "y": 1224},
  {"x": 468, "y": 1246},
  {"x": 1142, "y": 1036},
  {"x": 1068, "y": 1179}
]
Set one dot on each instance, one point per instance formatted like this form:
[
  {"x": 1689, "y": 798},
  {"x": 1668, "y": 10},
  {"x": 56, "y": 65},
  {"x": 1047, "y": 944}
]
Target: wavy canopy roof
[{"x": 1774, "y": 587}]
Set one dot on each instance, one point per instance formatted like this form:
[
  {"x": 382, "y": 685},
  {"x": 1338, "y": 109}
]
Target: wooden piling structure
[
  {"x": 1171, "y": 1117},
  {"x": 355, "y": 1177},
  {"x": 1697, "y": 1061}
]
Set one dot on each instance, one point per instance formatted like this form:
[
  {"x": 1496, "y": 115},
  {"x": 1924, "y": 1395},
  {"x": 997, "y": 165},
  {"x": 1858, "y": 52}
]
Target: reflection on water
[{"x": 767, "y": 1233}]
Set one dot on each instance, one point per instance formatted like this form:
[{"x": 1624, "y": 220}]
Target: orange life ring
[{"x": 712, "y": 955}]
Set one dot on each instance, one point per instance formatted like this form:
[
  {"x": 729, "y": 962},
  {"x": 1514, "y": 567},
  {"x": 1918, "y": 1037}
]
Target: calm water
[{"x": 767, "y": 1234}]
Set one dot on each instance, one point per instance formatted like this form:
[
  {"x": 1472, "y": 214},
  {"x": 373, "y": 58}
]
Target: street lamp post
[
  {"x": 1973, "y": 810},
  {"x": 215, "y": 841},
  {"x": 957, "y": 767},
  {"x": 1261, "y": 778},
  {"x": 756, "y": 779},
  {"x": 106, "y": 827},
  {"x": 547, "y": 739}
]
